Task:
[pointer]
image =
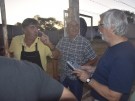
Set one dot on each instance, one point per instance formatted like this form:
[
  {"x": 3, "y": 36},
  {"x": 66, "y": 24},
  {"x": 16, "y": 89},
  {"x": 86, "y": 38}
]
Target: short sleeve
[
  {"x": 11, "y": 48},
  {"x": 48, "y": 52},
  {"x": 51, "y": 89}
]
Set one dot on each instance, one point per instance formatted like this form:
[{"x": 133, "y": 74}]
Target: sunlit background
[{"x": 18, "y": 10}]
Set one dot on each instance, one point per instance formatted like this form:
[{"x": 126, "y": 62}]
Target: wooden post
[
  {"x": 71, "y": 14},
  {"x": 74, "y": 10},
  {"x": 4, "y": 26}
]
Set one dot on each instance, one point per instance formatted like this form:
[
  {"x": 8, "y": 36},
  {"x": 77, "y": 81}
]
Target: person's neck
[
  {"x": 118, "y": 40},
  {"x": 28, "y": 41},
  {"x": 73, "y": 37}
]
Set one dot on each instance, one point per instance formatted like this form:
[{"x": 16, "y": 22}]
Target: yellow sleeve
[
  {"x": 11, "y": 48},
  {"x": 49, "y": 53}
]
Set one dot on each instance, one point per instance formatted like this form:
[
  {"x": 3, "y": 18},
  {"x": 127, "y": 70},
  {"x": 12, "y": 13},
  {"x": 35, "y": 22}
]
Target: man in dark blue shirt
[{"x": 115, "y": 72}]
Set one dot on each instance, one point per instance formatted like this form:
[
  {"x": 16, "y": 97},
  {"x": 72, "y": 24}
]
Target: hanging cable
[{"x": 124, "y": 3}]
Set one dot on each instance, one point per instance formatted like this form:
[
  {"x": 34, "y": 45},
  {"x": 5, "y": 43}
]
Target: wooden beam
[
  {"x": 73, "y": 11},
  {"x": 4, "y": 26},
  {"x": 71, "y": 14}
]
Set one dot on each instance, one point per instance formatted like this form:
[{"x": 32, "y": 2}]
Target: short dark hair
[
  {"x": 29, "y": 21},
  {"x": 83, "y": 27}
]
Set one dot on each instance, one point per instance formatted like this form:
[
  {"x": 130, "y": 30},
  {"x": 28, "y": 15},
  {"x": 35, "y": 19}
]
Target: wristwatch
[{"x": 88, "y": 80}]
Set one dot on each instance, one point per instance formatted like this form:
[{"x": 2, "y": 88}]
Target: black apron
[{"x": 33, "y": 57}]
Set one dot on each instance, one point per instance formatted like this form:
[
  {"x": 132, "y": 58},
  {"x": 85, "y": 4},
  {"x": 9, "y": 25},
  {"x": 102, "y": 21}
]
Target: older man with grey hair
[
  {"x": 115, "y": 71},
  {"x": 77, "y": 50}
]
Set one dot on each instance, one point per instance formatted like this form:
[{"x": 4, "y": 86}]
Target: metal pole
[
  {"x": 91, "y": 28},
  {"x": 4, "y": 26},
  {"x": 65, "y": 21}
]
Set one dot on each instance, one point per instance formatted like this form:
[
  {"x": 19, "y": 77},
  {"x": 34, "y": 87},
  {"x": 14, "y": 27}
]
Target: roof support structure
[
  {"x": 72, "y": 14},
  {"x": 4, "y": 26}
]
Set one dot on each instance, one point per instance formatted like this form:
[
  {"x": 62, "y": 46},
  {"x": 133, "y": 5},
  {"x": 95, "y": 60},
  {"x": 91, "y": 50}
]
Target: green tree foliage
[
  {"x": 49, "y": 23},
  {"x": 18, "y": 24}
]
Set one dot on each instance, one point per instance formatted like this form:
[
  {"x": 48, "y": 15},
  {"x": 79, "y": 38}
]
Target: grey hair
[{"x": 115, "y": 19}]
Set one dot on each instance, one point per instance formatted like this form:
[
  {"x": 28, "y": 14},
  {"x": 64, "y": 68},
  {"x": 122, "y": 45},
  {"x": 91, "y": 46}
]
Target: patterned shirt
[{"x": 78, "y": 50}]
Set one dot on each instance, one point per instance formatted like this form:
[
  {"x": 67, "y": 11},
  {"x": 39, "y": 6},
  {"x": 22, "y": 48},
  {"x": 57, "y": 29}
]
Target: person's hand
[
  {"x": 45, "y": 39},
  {"x": 89, "y": 69},
  {"x": 81, "y": 74}
]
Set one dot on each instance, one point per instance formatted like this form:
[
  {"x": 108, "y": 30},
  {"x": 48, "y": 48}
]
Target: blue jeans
[{"x": 75, "y": 86}]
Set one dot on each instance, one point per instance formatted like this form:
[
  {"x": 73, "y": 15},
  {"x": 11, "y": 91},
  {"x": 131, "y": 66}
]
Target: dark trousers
[{"x": 75, "y": 86}]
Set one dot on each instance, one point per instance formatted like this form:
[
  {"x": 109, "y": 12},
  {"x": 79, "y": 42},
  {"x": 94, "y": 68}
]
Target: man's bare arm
[
  {"x": 67, "y": 96},
  {"x": 105, "y": 91}
]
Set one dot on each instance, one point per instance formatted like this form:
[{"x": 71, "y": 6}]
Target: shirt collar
[
  {"x": 23, "y": 43},
  {"x": 74, "y": 37}
]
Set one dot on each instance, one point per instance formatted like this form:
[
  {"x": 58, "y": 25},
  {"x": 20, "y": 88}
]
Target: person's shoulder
[
  {"x": 18, "y": 37},
  {"x": 47, "y": 48},
  {"x": 42, "y": 45},
  {"x": 16, "y": 66},
  {"x": 12, "y": 61},
  {"x": 85, "y": 40},
  {"x": 65, "y": 38},
  {"x": 9, "y": 63},
  {"x": 2, "y": 58}
]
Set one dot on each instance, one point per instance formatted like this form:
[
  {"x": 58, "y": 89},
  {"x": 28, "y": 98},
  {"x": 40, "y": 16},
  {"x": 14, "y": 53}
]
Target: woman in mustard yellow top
[{"x": 30, "y": 46}]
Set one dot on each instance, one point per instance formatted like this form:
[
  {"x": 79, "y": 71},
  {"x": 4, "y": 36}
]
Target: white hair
[{"x": 115, "y": 19}]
